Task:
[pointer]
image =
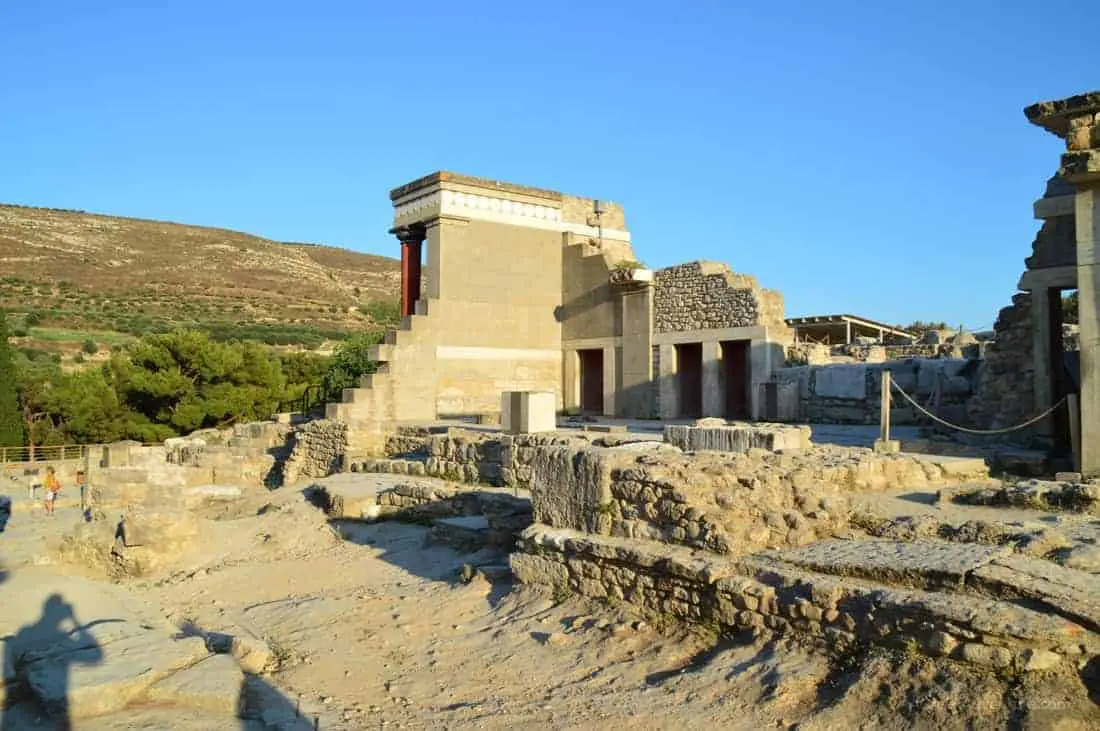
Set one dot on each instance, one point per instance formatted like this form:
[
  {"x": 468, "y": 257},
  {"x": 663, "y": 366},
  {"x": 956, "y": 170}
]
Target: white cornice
[{"x": 496, "y": 209}]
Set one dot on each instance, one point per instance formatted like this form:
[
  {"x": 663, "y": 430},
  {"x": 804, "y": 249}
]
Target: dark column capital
[{"x": 413, "y": 234}]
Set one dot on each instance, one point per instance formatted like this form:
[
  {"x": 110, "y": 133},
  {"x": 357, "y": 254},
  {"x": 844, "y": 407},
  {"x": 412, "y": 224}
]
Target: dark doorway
[
  {"x": 1064, "y": 362},
  {"x": 591, "y": 366},
  {"x": 689, "y": 375},
  {"x": 735, "y": 377}
]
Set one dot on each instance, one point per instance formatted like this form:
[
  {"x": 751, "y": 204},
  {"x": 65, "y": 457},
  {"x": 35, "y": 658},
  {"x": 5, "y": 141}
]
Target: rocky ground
[{"x": 366, "y": 626}]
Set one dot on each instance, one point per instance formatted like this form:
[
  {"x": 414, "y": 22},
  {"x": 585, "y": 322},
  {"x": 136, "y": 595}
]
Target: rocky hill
[{"x": 86, "y": 272}]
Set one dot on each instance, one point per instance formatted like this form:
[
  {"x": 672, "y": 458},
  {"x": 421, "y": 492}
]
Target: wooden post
[
  {"x": 884, "y": 413},
  {"x": 1074, "y": 429},
  {"x": 884, "y": 443}
]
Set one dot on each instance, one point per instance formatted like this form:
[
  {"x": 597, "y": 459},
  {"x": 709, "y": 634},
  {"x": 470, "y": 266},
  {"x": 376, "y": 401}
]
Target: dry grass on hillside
[{"x": 87, "y": 271}]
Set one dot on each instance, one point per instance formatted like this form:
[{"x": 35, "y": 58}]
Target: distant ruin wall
[{"x": 849, "y": 393}]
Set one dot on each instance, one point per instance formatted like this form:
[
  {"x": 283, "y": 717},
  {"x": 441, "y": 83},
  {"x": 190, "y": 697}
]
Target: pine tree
[{"x": 11, "y": 417}]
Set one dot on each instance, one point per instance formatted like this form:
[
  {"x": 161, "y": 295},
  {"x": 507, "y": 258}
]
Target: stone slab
[
  {"x": 913, "y": 563},
  {"x": 214, "y": 684},
  {"x": 841, "y": 381},
  {"x": 105, "y": 678},
  {"x": 1069, "y": 592},
  {"x": 464, "y": 522}
]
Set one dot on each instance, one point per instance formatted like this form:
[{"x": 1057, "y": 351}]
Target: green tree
[
  {"x": 85, "y": 407},
  {"x": 1069, "y": 308},
  {"x": 11, "y": 415},
  {"x": 90, "y": 347},
  {"x": 352, "y": 360},
  {"x": 185, "y": 380}
]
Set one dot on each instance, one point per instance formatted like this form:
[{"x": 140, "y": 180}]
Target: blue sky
[{"x": 858, "y": 158}]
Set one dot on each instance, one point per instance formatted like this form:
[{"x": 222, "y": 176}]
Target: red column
[{"x": 411, "y": 239}]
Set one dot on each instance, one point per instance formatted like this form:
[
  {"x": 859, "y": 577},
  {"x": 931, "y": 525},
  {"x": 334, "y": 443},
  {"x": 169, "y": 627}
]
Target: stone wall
[
  {"x": 849, "y": 393},
  {"x": 705, "y": 296},
  {"x": 835, "y": 613},
  {"x": 318, "y": 449},
  {"x": 725, "y": 503},
  {"x": 462, "y": 455},
  {"x": 1004, "y": 392}
]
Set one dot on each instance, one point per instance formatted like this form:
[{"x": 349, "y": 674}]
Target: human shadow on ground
[
  {"x": 44, "y": 652},
  {"x": 261, "y": 703}
]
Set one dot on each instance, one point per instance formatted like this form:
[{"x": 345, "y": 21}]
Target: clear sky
[{"x": 858, "y": 158}]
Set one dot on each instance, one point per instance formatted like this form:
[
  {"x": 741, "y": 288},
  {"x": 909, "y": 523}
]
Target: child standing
[{"x": 52, "y": 486}]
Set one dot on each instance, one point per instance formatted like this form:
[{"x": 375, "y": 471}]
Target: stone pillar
[
  {"x": 412, "y": 239},
  {"x": 670, "y": 394},
  {"x": 1077, "y": 121},
  {"x": 1040, "y": 344},
  {"x": 610, "y": 371},
  {"x": 1088, "y": 302},
  {"x": 714, "y": 388},
  {"x": 571, "y": 377},
  {"x": 637, "y": 353}
]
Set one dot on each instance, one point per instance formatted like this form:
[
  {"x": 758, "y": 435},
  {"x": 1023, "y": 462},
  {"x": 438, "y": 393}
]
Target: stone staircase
[{"x": 389, "y": 394}]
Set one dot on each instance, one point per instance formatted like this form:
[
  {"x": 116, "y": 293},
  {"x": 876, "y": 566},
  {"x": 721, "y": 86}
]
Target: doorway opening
[
  {"x": 735, "y": 378},
  {"x": 689, "y": 376},
  {"x": 591, "y": 370}
]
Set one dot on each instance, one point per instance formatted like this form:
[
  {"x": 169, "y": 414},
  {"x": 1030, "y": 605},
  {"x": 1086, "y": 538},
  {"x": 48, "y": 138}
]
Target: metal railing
[
  {"x": 41, "y": 453},
  {"x": 45, "y": 452}
]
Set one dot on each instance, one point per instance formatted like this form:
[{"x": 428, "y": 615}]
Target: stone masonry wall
[
  {"x": 462, "y": 456},
  {"x": 704, "y": 296},
  {"x": 1004, "y": 393},
  {"x": 721, "y": 502},
  {"x": 834, "y": 613},
  {"x": 318, "y": 450}
]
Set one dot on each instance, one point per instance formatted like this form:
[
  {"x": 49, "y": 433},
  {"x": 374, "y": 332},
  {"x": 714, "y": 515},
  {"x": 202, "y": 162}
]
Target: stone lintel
[
  {"x": 433, "y": 181},
  {"x": 1054, "y": 116}
]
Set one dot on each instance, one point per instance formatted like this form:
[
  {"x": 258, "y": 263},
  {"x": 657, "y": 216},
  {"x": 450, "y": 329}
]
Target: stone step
[
  {"x": 1008, "y": 620},
  {"x": 918, "y": 564},
  {"x": 381, "y": 352},
  {"x": 463, "y": 533}
]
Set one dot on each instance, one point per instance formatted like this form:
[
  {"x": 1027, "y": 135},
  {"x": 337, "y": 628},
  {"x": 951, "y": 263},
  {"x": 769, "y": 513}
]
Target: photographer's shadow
[{"x": 42, "y": 653}]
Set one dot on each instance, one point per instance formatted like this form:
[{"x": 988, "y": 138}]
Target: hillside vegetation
[{"x": 65, "y": 273}]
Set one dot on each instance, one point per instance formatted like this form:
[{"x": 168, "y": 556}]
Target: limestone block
[
  {"x": 528, "y": 412},
  {"x": 841, "y": 381},
  {"x": 570, "y": 484},
  {"x": 164, "y": 530},
  {"x": 737, "y": 437},
  {"x": 214, "y": 684},
  {"x": 98, "y": 680},
  {"x": 252, "y": 654}
]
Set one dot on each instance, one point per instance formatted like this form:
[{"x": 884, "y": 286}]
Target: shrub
[{"x": 90, "y": 347}]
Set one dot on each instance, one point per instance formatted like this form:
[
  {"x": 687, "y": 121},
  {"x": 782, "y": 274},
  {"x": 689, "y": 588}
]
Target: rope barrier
[{"x": 981, "y": 432}]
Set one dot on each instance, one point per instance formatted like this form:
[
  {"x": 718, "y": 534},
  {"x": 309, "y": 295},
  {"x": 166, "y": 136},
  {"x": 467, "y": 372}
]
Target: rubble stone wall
[
  {"x": 318, "y": 450},
  {"x": 462, "y": 456},
  {"x": 1004, "y": 393},
  {"x": 832, "y": 612},
  {"x": 721, "y": 502},
  {"x": 705, "y": 296}
]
